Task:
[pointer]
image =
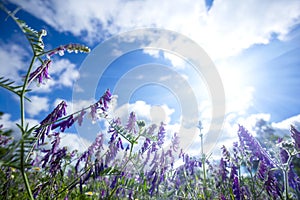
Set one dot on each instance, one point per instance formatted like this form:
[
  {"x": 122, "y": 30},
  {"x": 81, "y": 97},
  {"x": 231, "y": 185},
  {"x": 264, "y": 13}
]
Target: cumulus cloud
[
  {"x": 9, "y": 124},
  {"x": 74, "y": 142},
  {"x": 246, "y": 23},
  {"x": 36, "y": 105},
  {"x": 12, "y": 61}
]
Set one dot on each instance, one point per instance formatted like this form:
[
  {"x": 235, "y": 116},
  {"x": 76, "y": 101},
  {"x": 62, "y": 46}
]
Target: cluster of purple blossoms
[
  {"x": 267, "y": 176},
  {"x": 293, "y": 178},
  {"x": 41, "y": 72},
  {"x": 97, "y": 145},
  {"x": 249, "y": 143},
  {"x": 131, "y": 124},
  {"x": 47, "y": 123},
  {"x": 296, "y": 136},
  {"x": 101, "y": 106},
  {"x": 161, "y": 134},
  {"x": 264, "y": 172},
  {"x": 234, "y": 177}
]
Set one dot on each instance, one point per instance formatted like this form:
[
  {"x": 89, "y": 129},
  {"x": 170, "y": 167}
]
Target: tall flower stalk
[{"x": 36, "y": 42}]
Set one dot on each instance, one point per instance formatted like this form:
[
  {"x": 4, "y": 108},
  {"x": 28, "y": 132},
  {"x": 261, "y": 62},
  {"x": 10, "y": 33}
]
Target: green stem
[
  {"x": 22, "y": 112},
  {"x": 286, "y": 187}
]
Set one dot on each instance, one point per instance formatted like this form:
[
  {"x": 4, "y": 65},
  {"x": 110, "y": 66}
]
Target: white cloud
[
  {"x": 175, "y": 60},
  {"x": 225, "y": 30},
  {"x": 74, "y": 142},
  {"x": 36, "y": 105},
  {"x": 9, "y": 124},
  {"x": 12, "y": 62},
  {"x": 284, "y": 126}
]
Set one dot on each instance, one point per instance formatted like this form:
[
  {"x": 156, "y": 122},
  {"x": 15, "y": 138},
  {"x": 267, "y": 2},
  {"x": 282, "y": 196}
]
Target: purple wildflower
[
  {"x": 175, "y": 142},
  {"x": 222, "y": 197},
  {"x": 269, "y": 179},
  {"x": 114, "y": 129},
  {"x": 236, "y": 188},
  {"x": 96, "y": 145},
  {"x": 54, "y": 156},
  {"x": 130, "y": 127},
  {"x": 47, "y": 123},
  {"x": 235, "y": 185},
  {"x": 248, "y": 142},
  {"x": 40, "y": 73},
  {"x": 80, "y": 117},
  {"x": 4, "y": 140},
  {"x": 272, "y": 186},
  {"x": 55, "y": 164},
  {"x": 284, "y": 156},
  {"x": 64, "y": 124},
  {"x": 111, "y": 153},
  {"x": 161, "y": 134},
  {"x": 296, "y": 136},
  {"x": 70, "y": 48},
  {"x": 226, "y": 154},
  {"x": 93, "y": 113},
  {"x": 101, "y": 105},
  {"x": 294, "y": 180},
  {"x": 151, "y": 129},
  {"x": 104, "y": 100},
  {"x": 146, "y": 144},
  {"x": 222, "y": 170},
  {"x": 262, "y": 170},
  {"x": 120, "y": 144}
]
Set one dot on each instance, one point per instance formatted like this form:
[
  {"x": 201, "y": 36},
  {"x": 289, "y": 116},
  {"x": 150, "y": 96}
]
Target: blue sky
[{"x": 254, "y": 45}]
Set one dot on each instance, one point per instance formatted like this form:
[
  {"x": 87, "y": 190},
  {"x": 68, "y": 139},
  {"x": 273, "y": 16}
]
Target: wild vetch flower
[
  {"x": 55, "y": 163},
  {"x": 96, "y": 145},
  {"x": 267, "y": 176},
  {"x": 104, "y": 101},
  {"x": 236, "y": 188},
  {"x": 235, "y": 184},
  {"x": 64, "y": 124},
  {"x": 226, "y": 153},
  {"x": 40, "y": 73},
  {"x": 235, "y": 152},
  {"x": 272, "y": 186},
  {"x": 294, "y": 180},
  {"x": 46, "y": 124},
  {"x": 79, "y": 117},
  {"x": 114, "y": 128},
  {"x": 145, "y": 146},
  {"x": 161, "y": 134},
  {"x": 262, "y": 170},
  {"x": 296, "y": 136},
  {"x": 284, "y": 156},
  {"x": 130, "y": 127},
  {"x": 248, "y": 142},
  {"x": 54, "y": 156},
  {"x": 101, "y": 105},
  {"x": 222, "y": 170},
  {"x": 120, "y": 144},
  {"x": 151, "y": 129},
  {"x": 111, "y": 153},
  {"x": 93, "y": 113},
  {"x": 175, "y": 143},
  {"x": 70, "y": 48}
]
